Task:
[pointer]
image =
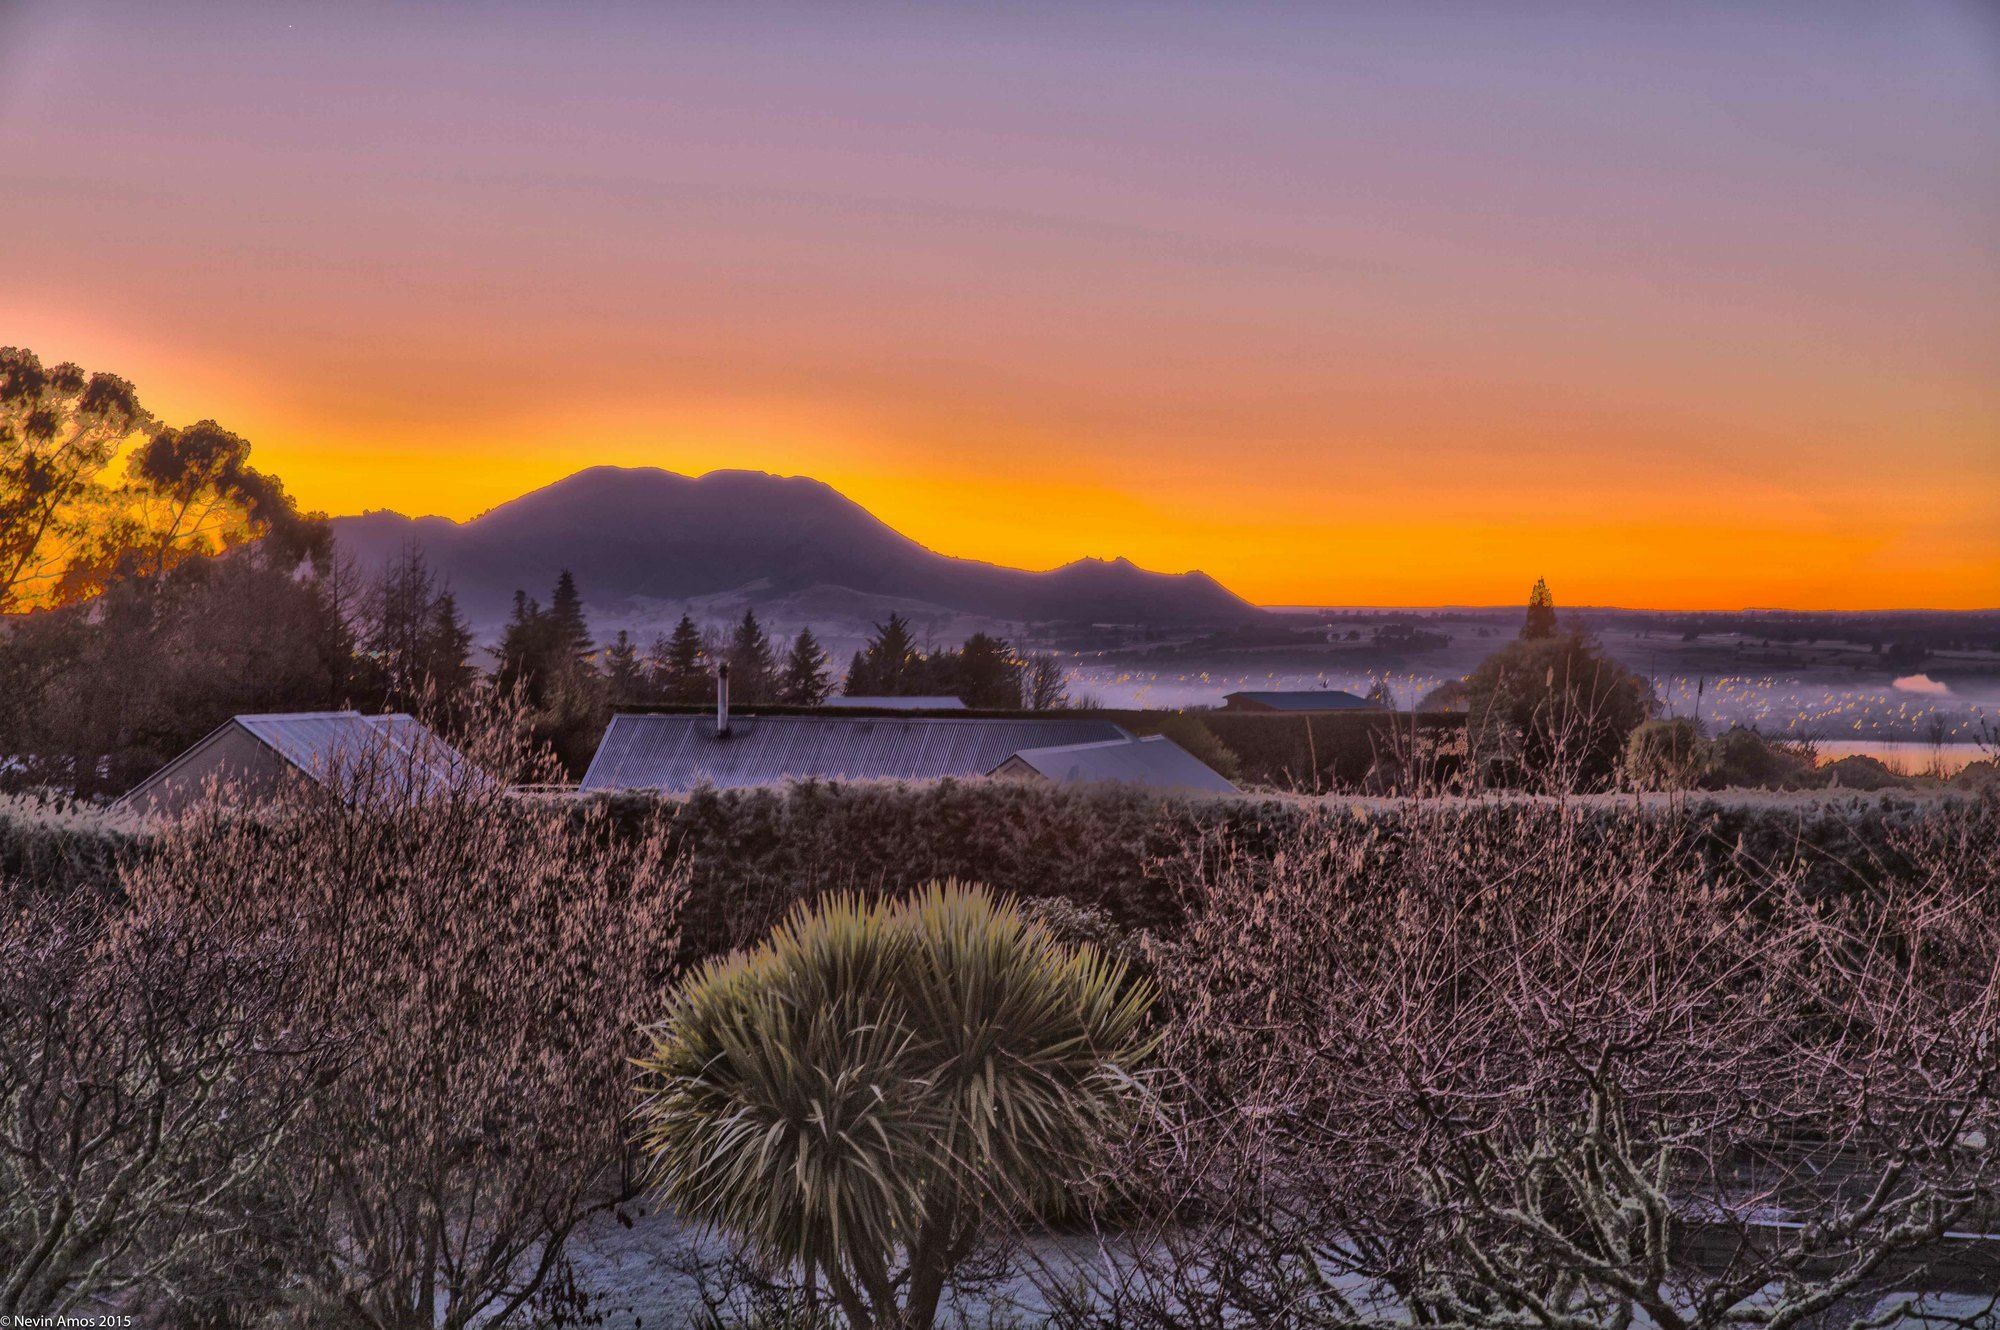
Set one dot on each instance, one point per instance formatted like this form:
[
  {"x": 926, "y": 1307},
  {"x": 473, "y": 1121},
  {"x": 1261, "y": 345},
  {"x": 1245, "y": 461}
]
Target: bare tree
[
  {"x": 363, "y": 1049},
  {"x": 486, "y": 961},
  {"x": 1046, "y": 685},
  {"x": 1554, "y": 1079},
  {"x": 150, "y": 1069}
]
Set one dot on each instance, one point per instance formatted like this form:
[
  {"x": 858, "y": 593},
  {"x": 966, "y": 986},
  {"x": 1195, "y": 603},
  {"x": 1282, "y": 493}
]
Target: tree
[
  {"x": 569, "y": 641},
  {"x": 417, "y": 648},
  {"x": 60, "y": 428},
  {"x": 1541, "y": 620},
  {"x": 67, "y": 531},
  {"x": 753, "y": 674},
  {"x": 1046, "y": 685},
  {"x": 888, "y": 664},
  {"x": 1552, "y": 712},
  {"x": 806, "y": 680},
  {"x": 524, "y": 650},
  {"x": 988, "y": 673},
  {"x": 95, "y": 696},
  {"x": 624, "y": 680},
  {"x": 149, "y": 1073},
  {"x": 545, "y": 661},
  {"x": 858, "y": 1096},
  {"x": 1671, "y": 753},
  {"x": 194, "y": 493},
  {"x": 1564, "y": 1074},
  {"x": 679, "y": 665},
  {"x": 448, "y": 664}
]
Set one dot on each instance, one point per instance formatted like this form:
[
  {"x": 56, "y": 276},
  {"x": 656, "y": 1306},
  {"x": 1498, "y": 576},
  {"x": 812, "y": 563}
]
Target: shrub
[
  {"x": 403, "y": 1025},
  {"x": 1552, "y": 713},
  {"x": 877, "y": 1081},
  {"x": 1573, "y": 1078},
  {"x": 1669, "y": 754},
  {"x": 1861, "y": 772},
  {"x": 1744, "y": 758},
  {"x": 1981, "y": 774}
]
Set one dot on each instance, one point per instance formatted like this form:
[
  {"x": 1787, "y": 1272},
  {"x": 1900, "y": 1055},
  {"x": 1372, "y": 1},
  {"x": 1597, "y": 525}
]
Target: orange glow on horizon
[{"x": 1386, "y": 541}]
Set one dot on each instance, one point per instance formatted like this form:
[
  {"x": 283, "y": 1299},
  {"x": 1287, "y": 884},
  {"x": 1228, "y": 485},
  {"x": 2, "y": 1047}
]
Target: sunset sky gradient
[{"x": 1675, "y": 305}]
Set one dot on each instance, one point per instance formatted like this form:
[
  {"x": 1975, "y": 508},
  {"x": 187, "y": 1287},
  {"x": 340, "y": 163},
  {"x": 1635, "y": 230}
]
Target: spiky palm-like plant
[{"x": 858, "y": 1094}]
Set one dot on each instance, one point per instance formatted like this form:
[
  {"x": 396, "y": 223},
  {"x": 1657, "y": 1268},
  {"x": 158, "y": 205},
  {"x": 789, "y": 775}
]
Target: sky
[{"x": 1675, "y": 305}]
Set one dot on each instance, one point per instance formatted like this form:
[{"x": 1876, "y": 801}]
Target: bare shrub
[
  {"x": 149, "y": 1072},
  {"x": 1560, "y": 1080},
  {"x": 467, "y": 969}
]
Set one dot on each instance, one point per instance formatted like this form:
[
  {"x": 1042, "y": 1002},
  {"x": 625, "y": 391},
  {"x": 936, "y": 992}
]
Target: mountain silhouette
[{"x": 643, "y": 535}]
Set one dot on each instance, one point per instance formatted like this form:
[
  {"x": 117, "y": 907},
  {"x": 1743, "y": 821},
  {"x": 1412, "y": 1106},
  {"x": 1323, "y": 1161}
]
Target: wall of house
[{"x": 233, "y": 759}]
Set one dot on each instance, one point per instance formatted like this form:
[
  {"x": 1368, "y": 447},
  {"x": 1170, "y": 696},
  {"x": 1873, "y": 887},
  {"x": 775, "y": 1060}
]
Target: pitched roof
[
  {"x": 681, "y": 753},
  {"x": 898, "y": 703},
  {"x": 1304, "y": 699},
  {"x": 1155, "y": 761},
  {"x": 322, "y": 744}
]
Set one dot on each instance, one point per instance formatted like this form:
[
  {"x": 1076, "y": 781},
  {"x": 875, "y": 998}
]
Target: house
[
  {"x": 679, "y": 753},
  {"x": 1154, "y": 761},
  {"x": 1304, "y": 699},
  {"x": 250, "y": 755},
  {"x": 895, "y": 703}
]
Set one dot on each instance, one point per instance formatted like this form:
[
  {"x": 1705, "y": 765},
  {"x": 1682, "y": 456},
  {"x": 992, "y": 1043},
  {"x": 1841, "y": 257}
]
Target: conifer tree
[
  {"x": 1541, "y": 620},
  {"x": 523, "y": 649},
  {"x": 806, "y": 681},
  {"x": 624, "y": 680},
  {"x": 890, "y": 665},
  {"x": 988, "y": 673},
  {"x": 449, "y": 672},
  {"x": 569, "y": 635},
  {"x": 753, "y": 674},
  {"x": 679, "y": 665}
]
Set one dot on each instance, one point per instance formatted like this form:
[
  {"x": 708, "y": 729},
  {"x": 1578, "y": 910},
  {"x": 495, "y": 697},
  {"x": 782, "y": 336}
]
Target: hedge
[{"x": 754, "y": 853}]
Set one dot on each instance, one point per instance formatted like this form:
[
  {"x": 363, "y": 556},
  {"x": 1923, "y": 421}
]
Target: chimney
[{"x": 722, "y": 701}]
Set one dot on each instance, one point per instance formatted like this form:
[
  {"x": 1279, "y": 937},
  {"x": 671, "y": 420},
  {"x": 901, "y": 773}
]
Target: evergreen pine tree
[
  {"x": 569, "y": 634},
  {"x": 1541, "y": 620},
  {"x": 988, "y": 674},
  {"x": 448, "y": 669},
  {"x": 523, "y": 650},
  {"x": 753, "y": 675},
  {"x": 860, "y": 681},
  {"x": 680, "y": 668},
  {"x": 624, "y": 680},
  {"x": 890, "y": 665},
  {"x": 805, "y": 682}
]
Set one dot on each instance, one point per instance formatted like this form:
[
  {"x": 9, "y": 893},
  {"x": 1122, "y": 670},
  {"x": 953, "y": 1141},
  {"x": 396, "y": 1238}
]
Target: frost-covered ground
[{"x": 641, "y": 1276}]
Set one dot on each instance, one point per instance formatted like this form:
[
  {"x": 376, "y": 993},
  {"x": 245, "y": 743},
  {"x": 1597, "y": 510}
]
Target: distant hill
[{"x": 642, "y": 540}]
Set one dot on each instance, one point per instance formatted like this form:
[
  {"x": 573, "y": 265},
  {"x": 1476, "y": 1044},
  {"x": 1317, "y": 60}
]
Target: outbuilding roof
[
  {"x": 1154, "y": 761},
  {"x": 896, "y": 703},
  {"x": 682, "y": 753},
  {"x": 1303, "y": 699}
]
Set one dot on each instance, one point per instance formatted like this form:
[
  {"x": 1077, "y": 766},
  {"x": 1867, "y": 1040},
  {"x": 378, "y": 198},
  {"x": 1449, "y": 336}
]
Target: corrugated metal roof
[
  {"x": 1307, "y": 699},
  {"x": 681, "y": 753},
  {"x": 1155, "y": 761},
  {"x": 395, "y": 754},
  {"x": 898, "y": 703}
]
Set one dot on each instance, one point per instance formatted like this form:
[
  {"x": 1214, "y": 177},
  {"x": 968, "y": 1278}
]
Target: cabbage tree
[{"x": 866, "y": 1090}]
